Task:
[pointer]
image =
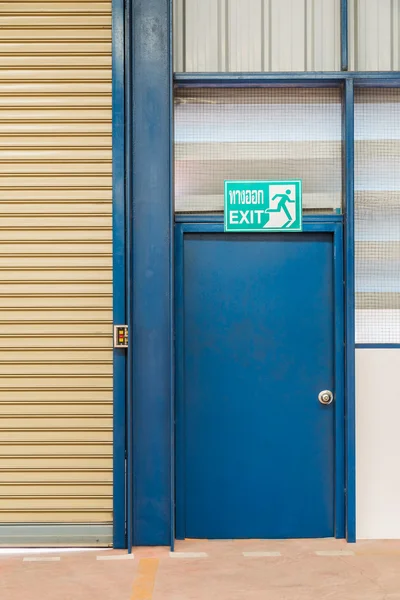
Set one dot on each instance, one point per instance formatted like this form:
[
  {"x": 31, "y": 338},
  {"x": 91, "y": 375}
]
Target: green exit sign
[{"x": 263, "y": 206}]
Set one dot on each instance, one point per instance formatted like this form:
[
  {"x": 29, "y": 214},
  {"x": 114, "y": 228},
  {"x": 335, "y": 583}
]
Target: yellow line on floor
[{"x": 143, "y": 585}]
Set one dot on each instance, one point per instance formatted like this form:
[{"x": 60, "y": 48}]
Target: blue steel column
[
  {"x": 348, "y": 122},
  {"x": 119, "y": 266},
  {"x": 152, "y": 223},
  {"x": 128, "y": 224}
]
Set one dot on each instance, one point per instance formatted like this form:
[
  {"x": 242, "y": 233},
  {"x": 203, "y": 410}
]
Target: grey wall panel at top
[
  {"x": 256, "y": 35},
  {"x": 374, "y": 35}
]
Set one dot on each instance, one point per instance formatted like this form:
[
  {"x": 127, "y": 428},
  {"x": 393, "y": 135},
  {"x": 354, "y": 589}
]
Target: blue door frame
[
  {"x": 143, "y": 430},
  {"x": 311, "y": 224}
]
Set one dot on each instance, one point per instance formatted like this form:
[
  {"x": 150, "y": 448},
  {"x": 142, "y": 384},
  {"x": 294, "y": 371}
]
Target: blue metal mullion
[
  {"x": 129, "y": 275},
  {"x": 344, "y": 36},
  {"x": 119, "y": 266},
  {"x": 172, "y": 282},
  {"x": 348, "y": 155},
  {"x": 340, "y": 500},
  {"x": 179, "y": 499}
]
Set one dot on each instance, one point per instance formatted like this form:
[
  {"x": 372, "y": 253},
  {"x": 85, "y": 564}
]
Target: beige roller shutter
[{"x": 55, "y": 272}]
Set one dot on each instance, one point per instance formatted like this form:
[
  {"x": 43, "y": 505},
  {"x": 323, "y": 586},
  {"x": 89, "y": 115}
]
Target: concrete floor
[{"x": 210, "y": 570}]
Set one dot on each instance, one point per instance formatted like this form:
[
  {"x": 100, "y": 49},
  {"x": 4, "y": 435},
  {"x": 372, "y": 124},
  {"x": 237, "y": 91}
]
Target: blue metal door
[{"x": 255, "y": 447}]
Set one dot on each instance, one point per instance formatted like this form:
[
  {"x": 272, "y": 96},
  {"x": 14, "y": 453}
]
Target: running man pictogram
[{"x": 284, "y": 198}]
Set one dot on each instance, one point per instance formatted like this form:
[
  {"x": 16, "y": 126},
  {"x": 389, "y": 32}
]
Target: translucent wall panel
[
  {"x": 374, "y": 35},
  {"x": 256, "y": 35},
  {"x": 377, "y": 181},
  {"x": 253, "y": 134}
]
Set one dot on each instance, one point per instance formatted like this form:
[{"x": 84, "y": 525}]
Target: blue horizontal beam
[
  {"x": 378, "y": 346},
  {"x": 240, "y": 79},
  {"x": 383, "y": 80},
  {"x": 289, "y": 79},
  {"x": 308, "y": 227},
  {"x": 213, "y": 218}
]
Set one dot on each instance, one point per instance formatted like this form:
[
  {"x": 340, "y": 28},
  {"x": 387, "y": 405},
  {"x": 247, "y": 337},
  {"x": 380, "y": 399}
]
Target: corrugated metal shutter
[{"x": 55, "y": 270}]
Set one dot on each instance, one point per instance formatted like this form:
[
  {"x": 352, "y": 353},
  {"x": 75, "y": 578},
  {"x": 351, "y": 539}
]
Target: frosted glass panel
[
  {"x": 377, "y": 210},
  {"x": 253, "y": 134}
]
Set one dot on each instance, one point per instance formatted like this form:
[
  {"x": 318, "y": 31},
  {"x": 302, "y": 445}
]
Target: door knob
[{"x": 325, "y": 397}]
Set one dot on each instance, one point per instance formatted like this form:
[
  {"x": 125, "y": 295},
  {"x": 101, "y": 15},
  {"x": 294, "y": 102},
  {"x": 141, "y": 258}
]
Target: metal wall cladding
[
  {"x": 55, "y": 262},
  {"x": 256, "y": 35},
  {"x": 284, "y": 35},
  {"x": 374, "y": 35}
]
